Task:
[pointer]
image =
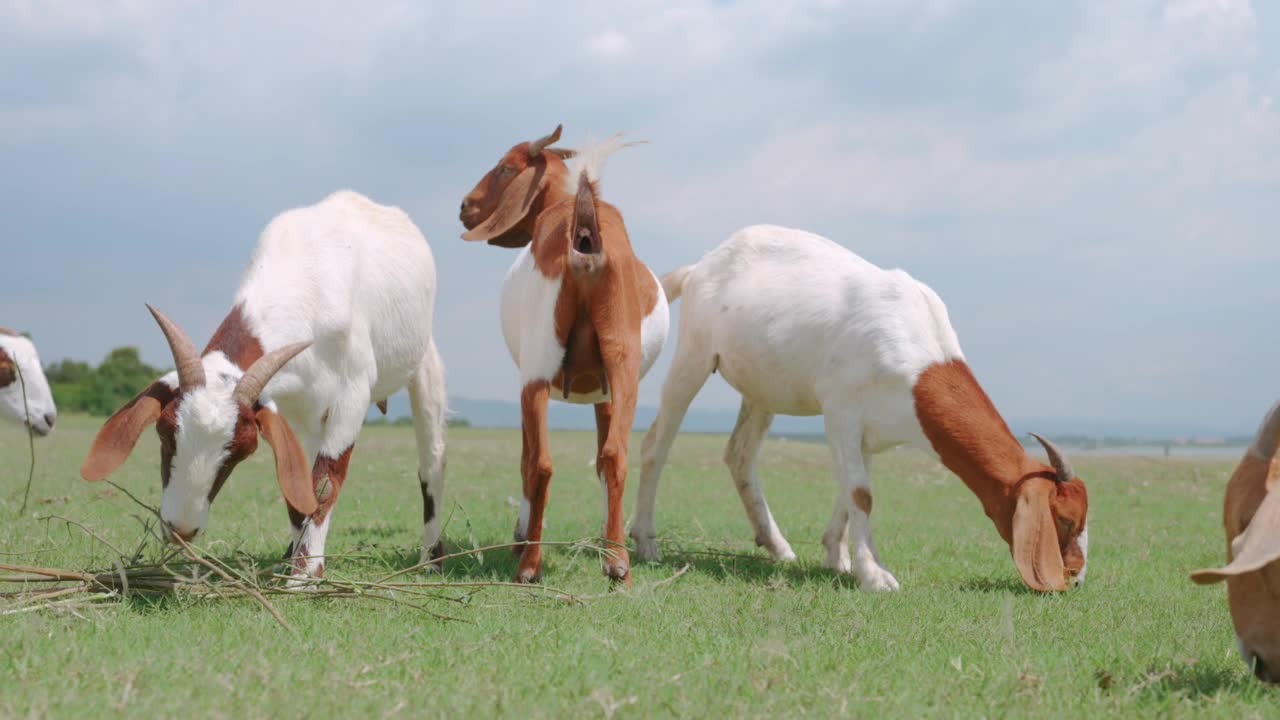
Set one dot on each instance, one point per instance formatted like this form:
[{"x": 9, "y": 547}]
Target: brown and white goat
[
  {"x": 801, "y": 326},
  {"x": 1251, "y": 515},
  {"x": 583, "y": 318},
  {"x": 334, "y": 313}
]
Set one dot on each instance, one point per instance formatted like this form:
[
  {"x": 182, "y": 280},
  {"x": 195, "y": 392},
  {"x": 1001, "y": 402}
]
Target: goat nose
[
  {"x": 185, "y": 535},
  {"x": 464, "y": 205},
  {"x": 49, "y": 418}
]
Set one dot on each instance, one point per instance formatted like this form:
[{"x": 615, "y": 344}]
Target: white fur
[
  {"x": 1083, "y": 541},
  {"x": 590, "y": 159},
  {"x": 39, "y": 405},
  {"x": 358, "y": 281},
  {"x": 801, "y": 326},
  {"x": 529, "y": 319},
  {"x": 528, "y": 312},
  {"x": 653, "y": 329}
]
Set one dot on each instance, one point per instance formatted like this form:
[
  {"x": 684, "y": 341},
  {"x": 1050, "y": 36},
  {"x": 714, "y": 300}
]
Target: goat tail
[
  {"x": 1267, "y": 441},
  {"x": 673, "y": 282}
]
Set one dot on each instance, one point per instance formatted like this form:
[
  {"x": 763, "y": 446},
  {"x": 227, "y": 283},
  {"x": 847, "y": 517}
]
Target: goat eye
[{"x": 506, "y": 170}]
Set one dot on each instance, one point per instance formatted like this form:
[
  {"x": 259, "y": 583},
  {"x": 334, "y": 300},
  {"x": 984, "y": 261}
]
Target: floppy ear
[
  {"x": 513, "y": 207},
  {"x": 7, "y": 372},
  {"x": 1035, "y": 539},
  {"x": 1256, "y": 547},
  {"x": 292, "y": 471},
  {"x": 119, "y": 434}
]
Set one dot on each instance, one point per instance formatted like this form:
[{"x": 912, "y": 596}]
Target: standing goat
[
  {"x": 801, "y": 326},
  {"x": 333, "y": 314},
  {"x": 583, "y": 318},
  {"x": 19, "y": 367},
  {"x": 1251, "y": 515}
]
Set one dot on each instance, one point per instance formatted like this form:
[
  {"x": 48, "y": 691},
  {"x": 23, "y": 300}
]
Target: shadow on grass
[
  {"x": 751, "y": 568},
  {"x": 999, "y": 585},
  {"x": 1195, "y": 682}
]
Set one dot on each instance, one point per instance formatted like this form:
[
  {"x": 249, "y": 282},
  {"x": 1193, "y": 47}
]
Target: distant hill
[{"x": 562, "y": 416}]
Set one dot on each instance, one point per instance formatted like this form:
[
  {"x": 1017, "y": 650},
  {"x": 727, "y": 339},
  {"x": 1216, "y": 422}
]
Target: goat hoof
[
  {"x": 647, "y": 548},
  {"x": 430, "y": 559},
  {"x": 878, "y": 580},
  {"x": 529, "y": 576},
  {"x": 618, "y": 575},
  {"x": 618, "y": 569}
]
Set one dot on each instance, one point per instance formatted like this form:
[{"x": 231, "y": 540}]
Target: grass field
[{"x": 734, "y": 636}]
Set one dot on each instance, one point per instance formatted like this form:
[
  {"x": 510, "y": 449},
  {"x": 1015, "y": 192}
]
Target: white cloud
[{"x": 609, "y": 45}]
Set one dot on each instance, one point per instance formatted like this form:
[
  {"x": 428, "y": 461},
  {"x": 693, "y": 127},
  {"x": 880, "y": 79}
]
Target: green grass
[{"x": 735, "y": 636}]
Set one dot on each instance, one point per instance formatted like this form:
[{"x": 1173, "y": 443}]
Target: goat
[
  {"x": 333, "y": 314},
  {"x": 1251, "y": 515},
  {"x": 19, "y": 367},
  {"x": 583, "y": 319},
  {"x": 802, "y": 326}
]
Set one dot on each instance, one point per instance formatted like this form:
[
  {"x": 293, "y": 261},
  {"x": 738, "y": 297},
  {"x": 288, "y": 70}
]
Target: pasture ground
[{"x": 735, "y": 636}]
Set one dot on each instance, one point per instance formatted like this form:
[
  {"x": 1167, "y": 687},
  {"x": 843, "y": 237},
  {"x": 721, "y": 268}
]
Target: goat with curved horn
[
  {"x": 235, "y": 395},
  {"x": 185, "y": 356},
  {"x": 262, "y": 370},
  {"x": 1057, "y": 458}
]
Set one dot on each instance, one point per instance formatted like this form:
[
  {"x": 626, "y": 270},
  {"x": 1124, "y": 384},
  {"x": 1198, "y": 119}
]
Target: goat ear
[
  {"x": 513, "y": 207},
  {"x": 119, "y": 434},
  {"x": 1035, "y": 539},
  {"x": 292, "y": 470},
  {"x": 1256, "y": 547},
  {"x": 7, "y": 372}
]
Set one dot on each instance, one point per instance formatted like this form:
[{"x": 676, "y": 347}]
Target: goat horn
[
  {"x": 536, "y": 147},
  {"x": 262, "y": 370},
  {"x": 1057, "y": 458},
  {"x": 185, "y": 357}
]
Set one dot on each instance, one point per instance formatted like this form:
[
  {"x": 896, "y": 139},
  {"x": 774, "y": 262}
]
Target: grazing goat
[
  {"x": 583, "y": 318},
  {"x": 36, "y": 411},
  {"x": 333, "y": 314},
  {"x": 1251, "y": 515},
  {"x": 801, "y": 326}
]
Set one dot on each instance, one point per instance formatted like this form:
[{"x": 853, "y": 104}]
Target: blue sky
[{"x": 1091, "y": 187}]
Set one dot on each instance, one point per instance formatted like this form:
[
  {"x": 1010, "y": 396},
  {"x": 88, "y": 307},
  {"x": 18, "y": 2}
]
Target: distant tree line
[{"x": 80, "y": 387}]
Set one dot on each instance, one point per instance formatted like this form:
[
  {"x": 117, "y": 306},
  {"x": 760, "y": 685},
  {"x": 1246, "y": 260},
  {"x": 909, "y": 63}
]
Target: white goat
[
  {"x": 801, "y": 326},
  {"x": 37, "y": 411},
  {"x": 334, "y": 313}
]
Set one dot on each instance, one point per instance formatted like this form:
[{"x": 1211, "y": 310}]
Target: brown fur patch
[
  {"x": 117, "y": 436},
  {"x": 973, "y": 441},
  {"x": 8, "y": 369},
  {"x": 327, "y": 477},
  {"x": 862, "y": 499},
  {"x": 244, "y": 441},
  {"x": 487, "y": 195},
  {"x": 235, "y": 340}
]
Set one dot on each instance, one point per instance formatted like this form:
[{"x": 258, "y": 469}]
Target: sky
[{"x": 1091, "y": 187}]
